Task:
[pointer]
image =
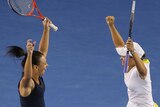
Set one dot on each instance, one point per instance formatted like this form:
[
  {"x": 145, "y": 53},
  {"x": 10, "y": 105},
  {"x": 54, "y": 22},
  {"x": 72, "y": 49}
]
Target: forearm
[
  {"x": 27, "y": 71},
  {"x": 140, "y": 65},
  {"x": 116, "y": 37},
  {"x": 44, "y": 42},
  {"x": 28, "y": 67}
]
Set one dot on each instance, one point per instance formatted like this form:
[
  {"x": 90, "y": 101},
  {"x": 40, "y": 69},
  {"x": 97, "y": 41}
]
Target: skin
[
  {"x": 34, "y": 72},
  {"x": 118, "y": 41}
]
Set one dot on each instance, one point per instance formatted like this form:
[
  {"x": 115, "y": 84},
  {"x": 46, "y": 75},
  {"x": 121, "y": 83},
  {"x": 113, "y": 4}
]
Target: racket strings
[{"x": 22, "y": 7}]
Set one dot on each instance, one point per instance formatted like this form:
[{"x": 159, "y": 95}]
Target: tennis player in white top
[{"x": 137, "y": 78}]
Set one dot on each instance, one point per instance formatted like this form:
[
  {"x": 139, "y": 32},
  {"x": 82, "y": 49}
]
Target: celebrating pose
[
  {"x": 31, "y": 87},
  {"x": 137, "y": 77}
]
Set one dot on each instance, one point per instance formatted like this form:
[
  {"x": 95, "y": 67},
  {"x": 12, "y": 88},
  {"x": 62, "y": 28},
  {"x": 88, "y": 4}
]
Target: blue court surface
[{"x": 84, "y": 69}]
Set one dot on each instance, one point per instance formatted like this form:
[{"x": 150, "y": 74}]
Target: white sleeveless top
[{"x": 139, "y": 90}]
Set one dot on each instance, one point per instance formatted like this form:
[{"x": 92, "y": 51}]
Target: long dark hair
[{"x": 18, "y": 52}]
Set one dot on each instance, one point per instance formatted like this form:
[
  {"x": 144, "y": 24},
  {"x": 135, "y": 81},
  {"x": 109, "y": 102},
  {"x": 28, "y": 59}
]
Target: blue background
[{"x": 84, "y": 68}]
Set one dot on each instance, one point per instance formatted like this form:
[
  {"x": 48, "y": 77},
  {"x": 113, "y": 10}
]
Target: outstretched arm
[
  {"x": 44, "y": 42},
  {"x": 116, "y": 37},
  {"x": 26, "y": 83}
]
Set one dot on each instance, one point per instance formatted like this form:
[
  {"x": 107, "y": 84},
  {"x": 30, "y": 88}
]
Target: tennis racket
[
  {"x": 130, "y": 33},
  {"x": 28, "y": 8}
]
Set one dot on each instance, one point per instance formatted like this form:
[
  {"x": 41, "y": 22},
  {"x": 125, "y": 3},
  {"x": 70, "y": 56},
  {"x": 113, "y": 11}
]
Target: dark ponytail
[
  {"x": 18, "y": 52},
  {"x": 15, "y": 51}
]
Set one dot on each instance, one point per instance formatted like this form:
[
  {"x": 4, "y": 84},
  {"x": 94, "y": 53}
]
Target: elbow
[{"x": 26, "y": 79}]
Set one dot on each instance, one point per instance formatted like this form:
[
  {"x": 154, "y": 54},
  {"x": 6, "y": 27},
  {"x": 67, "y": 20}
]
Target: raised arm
[
  {"x": 116, "y": 37},
  {"x": 138, "y": 62},
  {"x": 26, "y": 83},
  {"x": 44, "y": 42}
]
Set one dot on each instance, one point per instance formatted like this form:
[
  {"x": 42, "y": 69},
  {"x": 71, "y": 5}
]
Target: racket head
[
  {"x": 132, "y": 18},
  {"x": 22, "y": 7}
]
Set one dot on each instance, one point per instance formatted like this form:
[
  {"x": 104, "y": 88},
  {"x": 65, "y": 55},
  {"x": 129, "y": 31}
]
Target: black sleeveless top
[{"x": 36, "y": 98}]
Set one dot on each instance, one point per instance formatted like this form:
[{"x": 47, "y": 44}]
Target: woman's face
[
  {"x": 42, "y": 66},
  {"x": 122, "y": 58},
  {"x": 130, "y": 61}
]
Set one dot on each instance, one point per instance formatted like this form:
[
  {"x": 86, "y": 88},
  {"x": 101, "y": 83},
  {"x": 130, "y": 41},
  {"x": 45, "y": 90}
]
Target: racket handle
[
  {"x": 51, "y": 25},
  {"x": 54, "y": 27}
]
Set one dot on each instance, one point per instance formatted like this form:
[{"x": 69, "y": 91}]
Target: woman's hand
[
  {"x": 130, "y": 45},
  {"x": 46, "y": 23},
  {"x": 30, "y": 46},
  {"x": 110, "y": 20}
]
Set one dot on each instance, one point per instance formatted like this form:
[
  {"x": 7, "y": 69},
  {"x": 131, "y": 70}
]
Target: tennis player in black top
[{"x": 31, "y": 87}]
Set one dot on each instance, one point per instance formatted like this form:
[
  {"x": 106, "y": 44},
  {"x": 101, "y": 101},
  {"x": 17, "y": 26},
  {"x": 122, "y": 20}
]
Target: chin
[{"x": 43, "y": 72}]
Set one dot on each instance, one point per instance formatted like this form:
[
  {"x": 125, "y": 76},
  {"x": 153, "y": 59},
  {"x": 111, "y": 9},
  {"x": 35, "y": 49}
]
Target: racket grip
[{"x": 54, "y": 27}]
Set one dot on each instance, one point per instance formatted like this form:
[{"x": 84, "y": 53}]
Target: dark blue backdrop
[{"x": 84, "y": 69}]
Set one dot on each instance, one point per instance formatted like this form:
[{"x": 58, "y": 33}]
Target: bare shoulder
[{"x": 26, "y": 87}]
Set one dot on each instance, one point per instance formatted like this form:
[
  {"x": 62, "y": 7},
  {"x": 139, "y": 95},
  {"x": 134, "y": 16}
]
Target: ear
[{"x": 35, "y": 67}]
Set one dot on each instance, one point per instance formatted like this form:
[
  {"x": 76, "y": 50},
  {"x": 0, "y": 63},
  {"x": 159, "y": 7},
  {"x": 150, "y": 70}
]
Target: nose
[{"x": 46, "y": 64}]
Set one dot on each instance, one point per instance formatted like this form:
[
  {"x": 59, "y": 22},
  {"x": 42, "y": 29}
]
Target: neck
[
  {"x": 130, "y": 67},
  {"x": 36, "y": 78}
]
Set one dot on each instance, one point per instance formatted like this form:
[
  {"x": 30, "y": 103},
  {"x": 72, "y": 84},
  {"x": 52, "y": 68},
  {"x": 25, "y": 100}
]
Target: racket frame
[{"x": 31, "y": 13}]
